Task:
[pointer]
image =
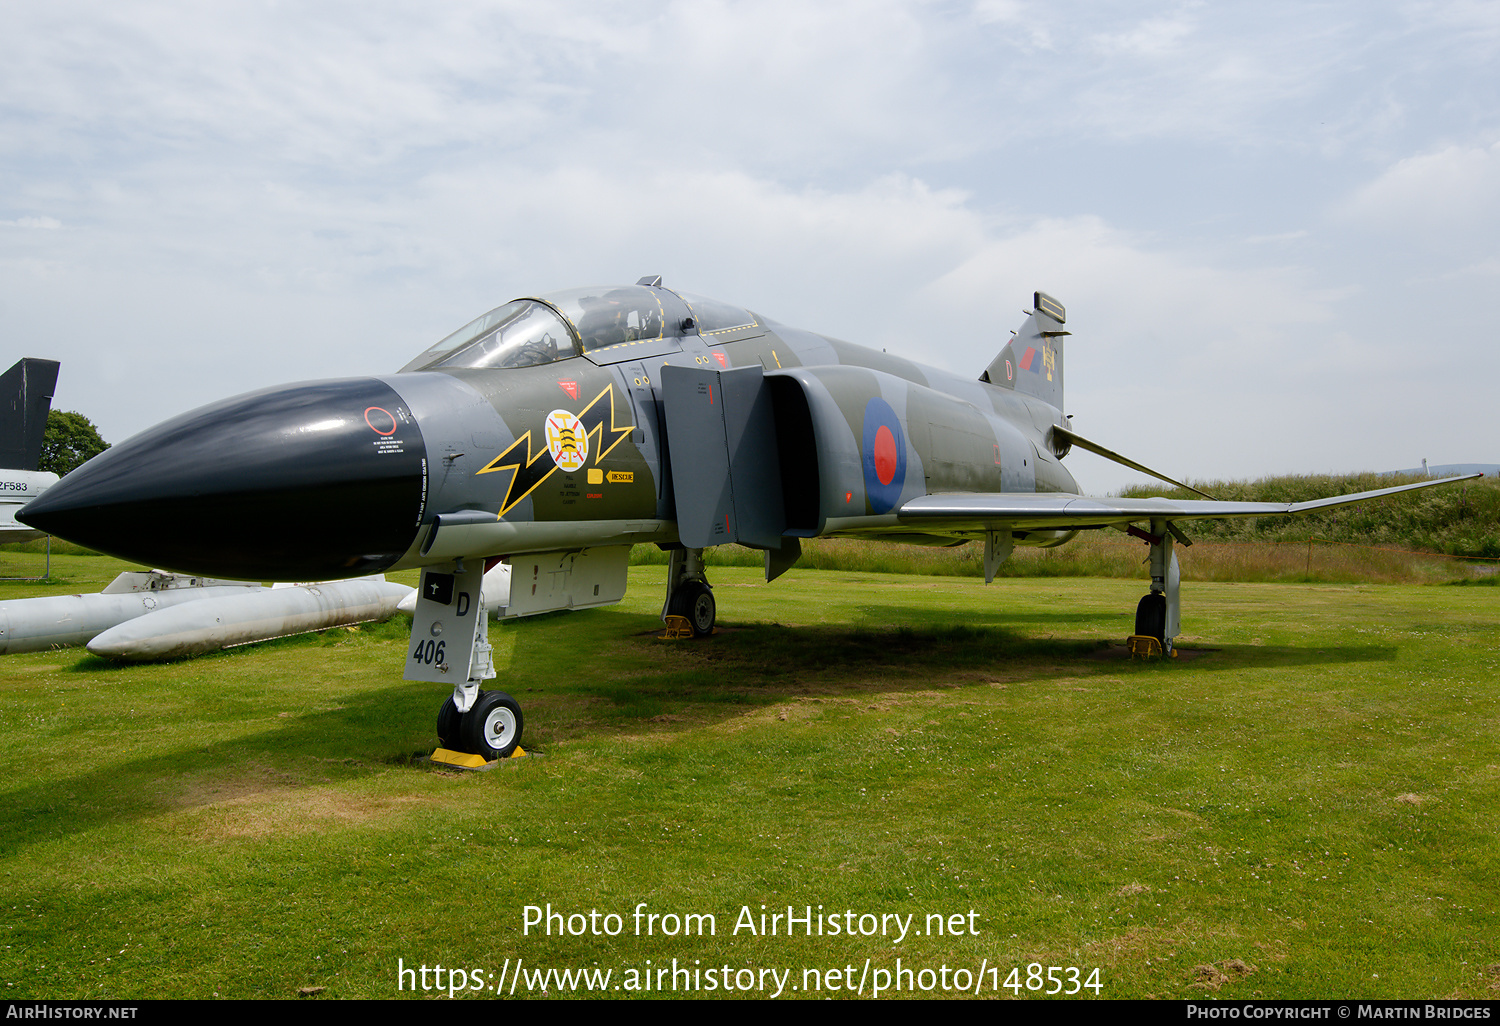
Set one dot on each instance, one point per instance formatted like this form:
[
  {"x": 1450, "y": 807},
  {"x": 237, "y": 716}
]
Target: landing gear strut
[
  {"x": 688, "y": 592},
  {"x": 1159, "y": 615}
]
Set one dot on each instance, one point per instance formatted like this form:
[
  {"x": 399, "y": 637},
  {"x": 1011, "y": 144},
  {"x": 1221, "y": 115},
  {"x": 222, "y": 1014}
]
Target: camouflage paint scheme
[
  {"x": 958, "y": 435},
  {"x": 558, "y": 430},
  {"x": 451, "y": 457}
]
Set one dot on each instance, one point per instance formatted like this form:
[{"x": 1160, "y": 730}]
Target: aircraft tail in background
[{"x": 25, "y": 397}]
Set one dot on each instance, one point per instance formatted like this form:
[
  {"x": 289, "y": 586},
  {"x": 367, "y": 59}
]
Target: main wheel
[
  {"x": 695, "y": 600},
  {"x": 449, "y": 721},
  {"x": 492, "y": 727},
  {"x": 1151, "y": 616}
]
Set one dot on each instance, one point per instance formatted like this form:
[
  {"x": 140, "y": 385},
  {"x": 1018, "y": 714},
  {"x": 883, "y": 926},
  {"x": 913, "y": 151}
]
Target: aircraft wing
[{"x": 1064, "y": 511}]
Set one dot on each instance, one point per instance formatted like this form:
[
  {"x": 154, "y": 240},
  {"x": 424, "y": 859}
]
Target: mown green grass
[{"x": 1303, "y": 806}]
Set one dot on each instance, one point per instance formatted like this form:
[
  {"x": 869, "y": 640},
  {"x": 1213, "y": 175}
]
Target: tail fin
[
  {"x": 25, "y": 397},
  {"x": 1032, "y": 362}
]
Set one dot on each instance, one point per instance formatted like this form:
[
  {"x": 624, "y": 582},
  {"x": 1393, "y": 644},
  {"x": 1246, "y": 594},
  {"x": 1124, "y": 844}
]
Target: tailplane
[{"x": 1032, "y": 362}]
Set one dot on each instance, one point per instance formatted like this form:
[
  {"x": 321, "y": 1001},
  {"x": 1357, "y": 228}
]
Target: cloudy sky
[{"x": 1275, "y": 226}]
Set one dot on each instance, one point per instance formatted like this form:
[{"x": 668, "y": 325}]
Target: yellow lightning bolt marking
[{"x": 530, "y": 480}]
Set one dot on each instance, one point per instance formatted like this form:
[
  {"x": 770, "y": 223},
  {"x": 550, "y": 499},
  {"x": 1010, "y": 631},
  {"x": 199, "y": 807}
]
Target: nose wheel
[{"x": 491, "y": 729}]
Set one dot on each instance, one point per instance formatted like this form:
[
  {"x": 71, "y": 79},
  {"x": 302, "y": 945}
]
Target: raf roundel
[
  {"x": 883, "y": 455},
  {"x": 567, "y": 441}
]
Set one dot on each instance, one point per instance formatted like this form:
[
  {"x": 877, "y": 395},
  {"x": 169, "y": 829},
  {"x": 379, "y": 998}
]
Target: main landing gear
[
  {"x": 1158, "y": 615},
  {"x": 688, "y": 592},
  {"x": 450, "y": 645}
]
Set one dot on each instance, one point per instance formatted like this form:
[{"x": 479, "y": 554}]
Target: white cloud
[
  {"x": 1169, "y": 348},
  {"x": 1292, "y": 236},
  {"x": 1453, "y": 190},
  {"x": 250, "y": 193},
  {"x": 986, "y": 11},
  {"x": 1153, "y": 39}
]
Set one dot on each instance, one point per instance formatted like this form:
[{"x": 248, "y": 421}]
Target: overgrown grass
[
  {"x": 1112, "y": 554},
  {"x": 1398, "y": 540},
  {"x": 1459, "y": 520},
  {"x": 1304, "y": 805}
]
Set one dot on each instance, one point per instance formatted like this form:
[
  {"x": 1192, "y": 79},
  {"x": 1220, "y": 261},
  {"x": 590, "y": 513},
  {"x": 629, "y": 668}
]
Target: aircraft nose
[{"x": 302, "y": 482}]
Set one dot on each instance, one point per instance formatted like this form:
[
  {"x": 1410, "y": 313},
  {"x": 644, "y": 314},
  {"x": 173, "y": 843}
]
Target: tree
[{"x": 68, "y": 441}]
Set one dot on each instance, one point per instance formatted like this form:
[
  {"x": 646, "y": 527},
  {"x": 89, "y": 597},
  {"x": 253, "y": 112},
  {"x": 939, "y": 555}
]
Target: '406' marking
[{"x": 428, "y": 652}]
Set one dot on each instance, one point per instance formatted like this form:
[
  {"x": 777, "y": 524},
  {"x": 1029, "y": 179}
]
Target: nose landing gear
[{"x": 450, "y": 645}]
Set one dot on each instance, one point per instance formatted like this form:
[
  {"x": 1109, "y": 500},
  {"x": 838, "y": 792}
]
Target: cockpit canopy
[
  {"x": 522, "y": 333},
  {"x": 560, "y": 325},
  {"x": 614, "y": 316}
]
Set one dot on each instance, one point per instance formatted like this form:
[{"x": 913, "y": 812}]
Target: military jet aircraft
[{"x": 558, "y": 430}]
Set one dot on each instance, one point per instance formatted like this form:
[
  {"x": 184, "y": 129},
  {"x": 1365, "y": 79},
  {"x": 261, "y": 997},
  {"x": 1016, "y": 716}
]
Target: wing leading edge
[{"x": 1063, "y": 511}]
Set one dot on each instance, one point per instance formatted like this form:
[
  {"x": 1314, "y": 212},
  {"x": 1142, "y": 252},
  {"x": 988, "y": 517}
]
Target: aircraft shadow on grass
[
  {"x": 712, "y": 680},
  {"x": 991, "y": 647},
  {"x": 760, "y": 663}
]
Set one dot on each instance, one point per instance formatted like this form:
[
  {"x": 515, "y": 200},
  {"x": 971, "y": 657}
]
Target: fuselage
[{"x": 540, "y": 426}]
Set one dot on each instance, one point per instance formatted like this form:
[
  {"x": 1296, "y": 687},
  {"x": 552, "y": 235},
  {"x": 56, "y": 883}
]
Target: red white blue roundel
[{"x": 883, "y": 454}]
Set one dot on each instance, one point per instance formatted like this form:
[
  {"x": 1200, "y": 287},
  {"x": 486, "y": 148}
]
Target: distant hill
[{"x": 1450, "y": 470}]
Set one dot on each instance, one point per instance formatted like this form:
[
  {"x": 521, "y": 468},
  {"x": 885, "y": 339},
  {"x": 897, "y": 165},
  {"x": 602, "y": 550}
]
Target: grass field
[{"x": 1305, "y": 805}]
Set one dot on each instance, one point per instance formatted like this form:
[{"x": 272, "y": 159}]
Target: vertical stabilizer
[
  {"x": 25, "y": 397},
  {"x": 1032, "y": 362}
]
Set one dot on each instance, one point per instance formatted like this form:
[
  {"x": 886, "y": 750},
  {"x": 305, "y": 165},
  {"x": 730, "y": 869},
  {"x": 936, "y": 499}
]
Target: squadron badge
[{"x": 567, "y": 441}]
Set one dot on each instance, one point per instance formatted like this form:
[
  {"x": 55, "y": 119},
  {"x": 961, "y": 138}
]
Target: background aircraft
[
  {"x": 557, "y": 431},
  {"x": 142, "y": 616},
  {"x": 26, "y": 392}
]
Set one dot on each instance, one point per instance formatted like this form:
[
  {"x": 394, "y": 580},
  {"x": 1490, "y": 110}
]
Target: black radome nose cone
[{"x": 303, "y": 482}]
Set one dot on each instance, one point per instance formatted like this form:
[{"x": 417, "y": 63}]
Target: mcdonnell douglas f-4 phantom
[{"x": 555, "y": 432}]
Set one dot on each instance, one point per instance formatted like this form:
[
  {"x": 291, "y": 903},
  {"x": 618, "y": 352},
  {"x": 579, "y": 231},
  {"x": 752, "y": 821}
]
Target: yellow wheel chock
[
  {"x": 678, "y": 627},
  {"x": 1143, "y": 646}
]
